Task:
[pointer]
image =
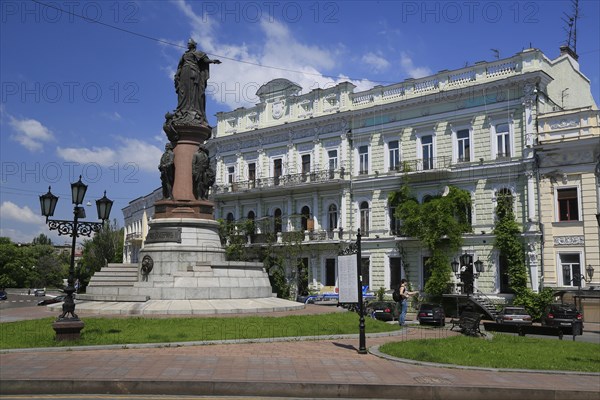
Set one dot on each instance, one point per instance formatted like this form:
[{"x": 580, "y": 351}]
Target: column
[{"x": 316, "y": 212}]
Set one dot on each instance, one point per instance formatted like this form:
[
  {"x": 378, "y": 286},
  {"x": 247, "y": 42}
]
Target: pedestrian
[{"x": 403, "y": 304}]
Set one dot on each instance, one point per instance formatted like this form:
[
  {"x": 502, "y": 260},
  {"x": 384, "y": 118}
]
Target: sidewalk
[{"x": 319, "y": 368}]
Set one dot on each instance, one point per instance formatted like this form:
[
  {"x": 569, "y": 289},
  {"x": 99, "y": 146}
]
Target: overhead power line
[{"x": 184, "y": 47}]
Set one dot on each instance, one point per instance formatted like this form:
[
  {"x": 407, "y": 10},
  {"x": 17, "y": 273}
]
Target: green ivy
[{"x": 439, "y": 224}]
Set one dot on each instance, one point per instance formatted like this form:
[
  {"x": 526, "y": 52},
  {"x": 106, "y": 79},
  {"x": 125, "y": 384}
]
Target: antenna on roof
[
  {"x": 570, "y": 28},
  {"x": 496, "y": 53}
]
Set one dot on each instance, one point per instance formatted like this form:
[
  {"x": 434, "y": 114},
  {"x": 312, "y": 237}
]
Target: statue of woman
[{"x": 190, "y": 80}]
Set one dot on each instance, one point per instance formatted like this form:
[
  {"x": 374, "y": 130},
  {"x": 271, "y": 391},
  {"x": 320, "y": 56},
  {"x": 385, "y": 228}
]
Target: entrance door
[
  {"x": 395, "y": 272},
  {"x": 302, "y": 274},
  {"x": 503, "y": 272},
  {"x": 330, "y": 272}
]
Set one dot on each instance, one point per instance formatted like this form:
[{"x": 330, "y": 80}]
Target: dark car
[
  {"x": 514, "y": 316},
  {"x": 3, "y": 295},
  {"x": 52, "y": 300},
  {"x": 382, "y": 310},
  {"x": 561, "y": 315},
  {"x": 431, "y": 314}
]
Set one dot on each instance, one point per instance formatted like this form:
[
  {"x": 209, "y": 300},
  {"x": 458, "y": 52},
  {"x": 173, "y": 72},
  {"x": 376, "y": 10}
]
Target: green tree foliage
[
  {"x": 42, "y": 239},
  {"x": 27, "y": 266},
  {"x": 509, "y": 243},
  {"x": 439, "y": 224},
  {"x": 105, "y": 247}
]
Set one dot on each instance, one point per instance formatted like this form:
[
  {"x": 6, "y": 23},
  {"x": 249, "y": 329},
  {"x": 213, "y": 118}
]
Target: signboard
[
  {"x": 160, "y": 235},
  {"x": 347, "y": 279}
]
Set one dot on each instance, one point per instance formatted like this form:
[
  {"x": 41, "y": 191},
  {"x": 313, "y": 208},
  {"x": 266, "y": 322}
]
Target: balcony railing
[
  {"x": 421, "y": 165},
  {"x": 282, "y": 181}
]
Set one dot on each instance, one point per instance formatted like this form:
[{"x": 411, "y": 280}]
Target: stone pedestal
[{"x": 68, "y": 329}]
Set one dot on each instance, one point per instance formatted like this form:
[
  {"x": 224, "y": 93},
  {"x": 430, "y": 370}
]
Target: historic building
[
  {"x": 136, "y": 215},
  {"x": 318, "y": 166},
  {"x": 313, "y": 168}
]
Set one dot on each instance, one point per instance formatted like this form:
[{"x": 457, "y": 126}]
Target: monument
[{"x": 183, "y": 261}]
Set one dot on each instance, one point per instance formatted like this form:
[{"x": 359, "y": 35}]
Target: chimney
[{"x": 568, "y": 50}]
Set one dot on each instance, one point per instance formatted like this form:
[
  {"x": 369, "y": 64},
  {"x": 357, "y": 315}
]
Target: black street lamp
[
  {"x": 466, "y": 273},
  {"x": 578, "y": 277},
  {"x": 68, "y": 325}
]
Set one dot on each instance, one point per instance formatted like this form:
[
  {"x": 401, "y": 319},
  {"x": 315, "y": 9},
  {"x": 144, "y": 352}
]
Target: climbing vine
[
  {"x": 509, "y": 244},
  {"x": 439, "y": 223}
]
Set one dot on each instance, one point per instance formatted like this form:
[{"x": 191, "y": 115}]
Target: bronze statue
[
  {"x": 167, "y": 171},
  {"x": 203, "y": 176}
]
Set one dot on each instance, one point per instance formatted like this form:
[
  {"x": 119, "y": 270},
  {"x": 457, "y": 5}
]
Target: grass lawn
[
  {"x": 503, "y": 351},
  {"x": 103, "y": 331}
]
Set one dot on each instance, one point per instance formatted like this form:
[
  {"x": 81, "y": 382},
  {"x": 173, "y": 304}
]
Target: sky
[{"x": 85, "y": 85}]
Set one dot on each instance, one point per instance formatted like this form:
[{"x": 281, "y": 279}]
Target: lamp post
[
  {"x": 578, "y": 277},
  {"x": 466, "y": 273},
  {"x": 68, "y": 325}
]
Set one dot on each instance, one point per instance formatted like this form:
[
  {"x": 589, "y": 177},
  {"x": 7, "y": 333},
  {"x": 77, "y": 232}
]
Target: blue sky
[{"x": 88, "y": 97}]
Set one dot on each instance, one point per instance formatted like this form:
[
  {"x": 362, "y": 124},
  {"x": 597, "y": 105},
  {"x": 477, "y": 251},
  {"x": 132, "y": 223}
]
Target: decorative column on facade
[
  {"x": 345, "y": 152},
  {"x": 316, "y": 154},
  {"x": 291, "y": 158},
  {"x": 289, "y": 213},
  {"x": 533, "y": 266},
  {"x": 531, "y": 198},
  {"x": 344, "y": 211},
  {"x": 316, "y": 212},
  {"x": 529, "y": 103}
]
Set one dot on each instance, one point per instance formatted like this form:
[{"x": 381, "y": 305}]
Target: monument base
[
  {"x": 68, "y": 329},
  {"x": 200, "y": 209}
]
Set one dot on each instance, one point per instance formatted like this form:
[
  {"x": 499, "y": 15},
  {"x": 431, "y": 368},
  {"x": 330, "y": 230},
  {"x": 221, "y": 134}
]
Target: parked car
[
  {"x": 514, "y": 316},
  {"x": 561, "y": 315},
  {"x": 52, "y": 300},
  {"x": 39, "y": 292},
  {"x": 431, "y": 314},
  {"x": 3, "y": 295},
  {"x": 382, "y": 310}
]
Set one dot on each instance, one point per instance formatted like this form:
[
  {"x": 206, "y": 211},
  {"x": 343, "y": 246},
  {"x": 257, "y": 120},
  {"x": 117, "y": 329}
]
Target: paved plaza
[{"x": 328, "y": 367}]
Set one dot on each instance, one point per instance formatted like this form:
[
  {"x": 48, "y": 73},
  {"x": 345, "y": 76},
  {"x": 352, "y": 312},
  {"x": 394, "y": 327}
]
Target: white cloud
[
  {"x": 31, "y": 134},
  {"x": 235, "y": 81},
  {"x": 9, "y": 210},
  {"x": 376, "y": 62},
  {"x": 409, "y": 67},
  {"x": 143, "y": 154}
]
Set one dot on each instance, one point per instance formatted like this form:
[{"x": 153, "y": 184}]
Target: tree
[
  {"x": 42, "y": 239},
  {"x": 439, "y": 224},
  {"x": 105, "y": 247}
]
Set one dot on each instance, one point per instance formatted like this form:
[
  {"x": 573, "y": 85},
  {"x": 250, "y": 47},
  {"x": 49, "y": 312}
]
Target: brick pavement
[{"x": 317, "y": 368}]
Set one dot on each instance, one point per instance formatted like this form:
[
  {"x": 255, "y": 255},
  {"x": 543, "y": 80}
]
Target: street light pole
[
  {"x": 362, "y": 348},
  {"x": 68, "y": 325}
]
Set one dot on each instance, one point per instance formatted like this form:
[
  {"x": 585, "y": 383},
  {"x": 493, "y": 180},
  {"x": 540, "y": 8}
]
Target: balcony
[
  {"x": 133, "y": 237},
  {"x": 292, "y": 180}
]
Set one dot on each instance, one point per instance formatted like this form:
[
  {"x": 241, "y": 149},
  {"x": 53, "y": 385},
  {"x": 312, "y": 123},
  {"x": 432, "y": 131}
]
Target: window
[
  {"x": 330, "y": 272},
  {"x": 364, "y": 218},
  {"x": 365, "y": 271},
  {"x": 305, "y": 166},
  {"x": 332, "y": 217},
  {"x": 568, "y": 207},
  {"x": 251, "y": 223},
  {"x": 571, "y": 268},
  {"x": 277, "y": 170},
  {"x": 395, "y": 272},
  {"x": 333, "y": 160},
  {"x": 363, "y": 159},
  {"x": 394, "y": 222},
  {"x": 427, "y": 151},
  {"x": 305, "y": 216},
  {"x": 230, "y": 174},
  {"x": 252, "y": 172},
  {"x": 394, "y": 155},
  {"x": 502, "y": 141},
  {"x": 504, "y": 203},
  {"x": 277, "y": 220},
  {"x": 464, "y": 146}
]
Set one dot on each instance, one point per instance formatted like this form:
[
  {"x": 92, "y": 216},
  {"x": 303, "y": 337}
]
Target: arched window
[
  {"x": 332, "y": 217},
  {"x": 277, "y": 220},
  {"x": 364, "y": 218},
  {"x": 305, "y": 212}
]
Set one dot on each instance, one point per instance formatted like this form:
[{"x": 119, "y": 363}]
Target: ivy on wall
[
  {"x": 509, "y": 243},
  {"x": 439, "y": 224}
]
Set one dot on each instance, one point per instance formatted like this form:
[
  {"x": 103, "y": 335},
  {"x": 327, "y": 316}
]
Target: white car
[{"x": 39, "y": 292}]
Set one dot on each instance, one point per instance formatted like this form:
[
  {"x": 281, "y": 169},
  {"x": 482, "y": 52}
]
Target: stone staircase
[
  {"x": 484, "y": 302},
  {"x": 113, "y": 283}
]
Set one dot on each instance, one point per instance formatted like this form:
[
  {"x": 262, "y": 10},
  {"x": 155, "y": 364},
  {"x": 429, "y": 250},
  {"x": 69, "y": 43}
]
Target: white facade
[
  {"x": 321, "y": 165},
  {"x": 136, "y": 215}
]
